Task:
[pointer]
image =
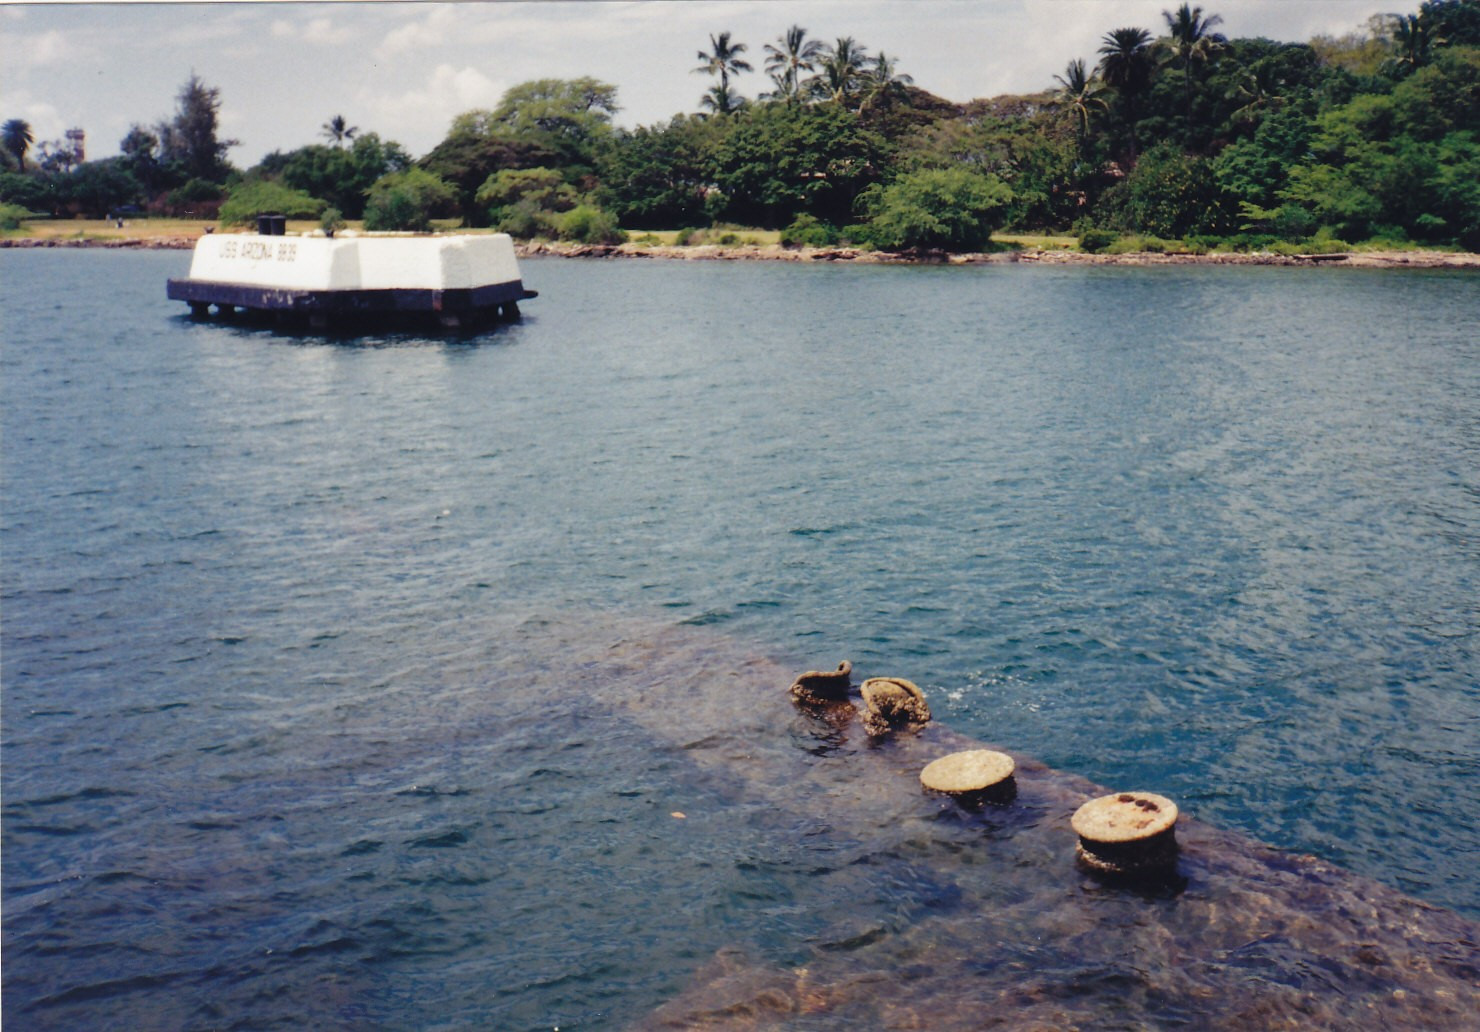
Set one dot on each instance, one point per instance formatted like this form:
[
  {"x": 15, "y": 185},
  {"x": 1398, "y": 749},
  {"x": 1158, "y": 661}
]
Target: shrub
[
  {"x": 32, "y": 193},
  {"x": 526, "y": 220},
  {"x": 953, "y": 209},
  {"x": 1250, "y": 241},
  {"x": 1143, "y": 243},
  {"x": 542, "y": 188},
  {"x": 809, "y": 231},
  {"x": 1093, "y": 241},
  {"x": 589, "y": 225},
  {"x": 1204, "y": 243},
  {"x": 11, "y": 216},
  {"x": 1169, "y": 194},
  {"x": 332, "y": 221},
  {"x": 196, "y": 190},
  {"x": 253, "y": 197},
  {"x": 408, "y": 201}
]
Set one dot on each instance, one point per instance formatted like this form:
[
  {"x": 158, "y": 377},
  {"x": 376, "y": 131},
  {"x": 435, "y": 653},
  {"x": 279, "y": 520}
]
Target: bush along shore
[{"x": 863, "y": 256}]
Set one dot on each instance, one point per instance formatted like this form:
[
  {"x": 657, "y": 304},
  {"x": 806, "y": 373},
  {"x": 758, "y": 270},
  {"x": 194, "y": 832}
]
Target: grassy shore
[{"x": 737, "y": 243}]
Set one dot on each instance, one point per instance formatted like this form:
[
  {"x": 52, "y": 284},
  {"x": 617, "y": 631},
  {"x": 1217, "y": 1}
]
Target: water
[{"x": 356, "y": 684}]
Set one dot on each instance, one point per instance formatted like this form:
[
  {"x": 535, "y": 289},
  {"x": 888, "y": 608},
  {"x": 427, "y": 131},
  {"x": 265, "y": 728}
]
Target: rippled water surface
[{"x": 358, "y": 683}]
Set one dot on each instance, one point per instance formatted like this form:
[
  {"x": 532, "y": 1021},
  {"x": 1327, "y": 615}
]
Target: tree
[
  {"x": 1125, "y": 66},
  {"x": 842, "y": 71},
  {"x": 1191, "y": 41},
  {"x": 723, "y": 60},
  {"x": 786, "y": 63},
  {"x": 140, "y": 149},
  {"x": 16, "y": 138},
  {"x": 58, "y": 156},
  {"x": 546, "y": 123},
  {"x": 96, "y": 188},
  {"x": 950, "y": 209},
  {"x": 1414, "y": 40},
  {"x": 337, "y": 130},
  {"x": 408, "y": 201},
  {"x": 523, "y": 201},
  {"x": 883, "y": 82},
  {"x": 252, "y": 197},
  {"x": 1457, "y": 22},
  {"x": 577, "y": 111},
  {"x": 720, "y": 100},
  {"x": 1170, "y": 194},
  {"x": 29, "y": 192},
  {"x": 771, "y": 162},
  {"x": 660, "y": 175},
  {"x": 1082, "y": 93},
  {"x": 337, "y": 175},
  {"x": 190, "y": 141}
]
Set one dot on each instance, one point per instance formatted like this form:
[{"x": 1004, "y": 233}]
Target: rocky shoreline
[{"x": 775, "y": 252}]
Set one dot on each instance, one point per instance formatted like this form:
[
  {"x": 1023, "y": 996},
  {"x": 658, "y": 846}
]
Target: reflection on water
[{"x": 444, "y": 683}]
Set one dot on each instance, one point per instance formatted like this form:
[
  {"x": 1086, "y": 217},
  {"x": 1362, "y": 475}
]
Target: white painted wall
[{"x": 356, "y": 263}]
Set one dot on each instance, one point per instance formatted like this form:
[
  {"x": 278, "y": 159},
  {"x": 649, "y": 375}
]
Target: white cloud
[
  {"x": 424, "y": 112},
  {"x": 44, "y": 49},
  {"x": 320, "y": 31},
  {"x": 425, "y": 32}
]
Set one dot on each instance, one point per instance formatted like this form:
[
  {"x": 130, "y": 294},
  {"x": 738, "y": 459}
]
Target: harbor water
[{"x": 440, "y": 682}]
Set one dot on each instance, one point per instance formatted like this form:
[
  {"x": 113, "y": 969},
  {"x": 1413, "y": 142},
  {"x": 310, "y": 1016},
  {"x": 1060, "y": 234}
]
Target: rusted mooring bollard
[
  {"x": 891, "y": 702},
  {"x": 972, "y": 777},
  {"x": 1127, "y": 833},
  {"x": 820, "y": 686}
]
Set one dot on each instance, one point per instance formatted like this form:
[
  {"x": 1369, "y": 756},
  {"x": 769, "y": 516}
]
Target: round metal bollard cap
[
  {"x": 974, "y": 770},
  {"x": 1125, "y": 817}
]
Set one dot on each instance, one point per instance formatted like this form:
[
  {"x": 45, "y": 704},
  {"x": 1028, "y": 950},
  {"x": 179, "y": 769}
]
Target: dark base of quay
[
  {"x": 358, "y": 322},
  {"x": 450, "y": 311}
]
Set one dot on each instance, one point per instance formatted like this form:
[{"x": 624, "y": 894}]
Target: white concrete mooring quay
[{"x": 454, "y": 281}]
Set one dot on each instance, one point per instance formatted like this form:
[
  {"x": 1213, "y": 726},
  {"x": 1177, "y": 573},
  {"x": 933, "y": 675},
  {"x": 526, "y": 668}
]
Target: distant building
[{"x": 77, "y": 139}]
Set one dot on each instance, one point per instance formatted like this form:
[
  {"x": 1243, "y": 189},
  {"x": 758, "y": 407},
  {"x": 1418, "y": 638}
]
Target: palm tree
[
  {"x": 1081, "y": 92},
  {"x": 844, "y": 65},
  {"x": 882, "y": 81},
  {"x": 1125, "y": 65},
  {"x": 16, "y": 137},
  {"x": 337, "y": 130},
  {"x": 1413, "y": 39},
  {"x": 1256, "y": 92},
  {"x": 720, "y": 100},
  {"x": 1191, "y": 40},
  {"x": 722, "y": 59},
  {"x": 786, "y": 63}
]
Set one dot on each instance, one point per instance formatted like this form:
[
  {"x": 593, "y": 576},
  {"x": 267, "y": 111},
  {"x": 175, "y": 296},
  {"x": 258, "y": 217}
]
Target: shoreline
[{"x": 775, "y": 252}]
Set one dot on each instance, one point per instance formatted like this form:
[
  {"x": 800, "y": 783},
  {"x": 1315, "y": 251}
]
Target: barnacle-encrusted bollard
[
  {"x": 889, "y": 702},
  {"x": 1127, "y": 833},
  {"x": 972, "y": 777},
  {"x": 819, "y": 686}
]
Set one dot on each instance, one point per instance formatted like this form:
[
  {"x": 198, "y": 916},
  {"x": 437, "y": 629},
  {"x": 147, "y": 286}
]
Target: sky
[{"x": 405, "y": 70}]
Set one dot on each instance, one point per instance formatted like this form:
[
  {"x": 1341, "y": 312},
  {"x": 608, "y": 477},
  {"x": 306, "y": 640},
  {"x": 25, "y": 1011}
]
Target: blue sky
[{"x": 405, "y": 70}]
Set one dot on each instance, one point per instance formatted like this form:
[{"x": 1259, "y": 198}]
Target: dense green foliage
[
  {"x": 408, "y": 201},
  {"x": 252, "y": 197},
  {"x": 337, "y": 174},
  {"x": 11, "y": 216},
  {"x": 1171, "y": 134},
  {"x": 949, "y": 209}
]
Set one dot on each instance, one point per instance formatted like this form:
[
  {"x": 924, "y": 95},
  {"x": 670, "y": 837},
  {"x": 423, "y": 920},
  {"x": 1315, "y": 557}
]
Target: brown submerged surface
[{"x": 1242, "y": 937}]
